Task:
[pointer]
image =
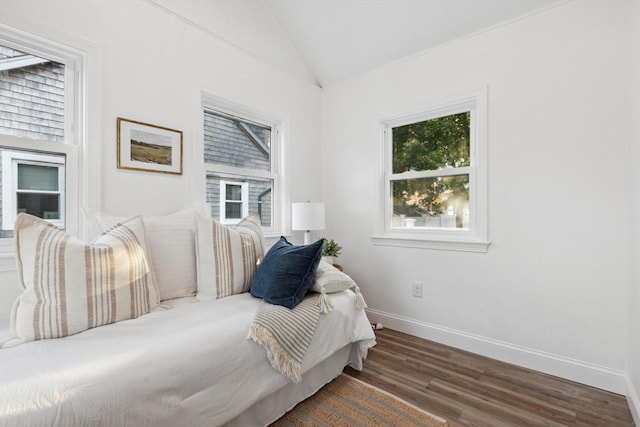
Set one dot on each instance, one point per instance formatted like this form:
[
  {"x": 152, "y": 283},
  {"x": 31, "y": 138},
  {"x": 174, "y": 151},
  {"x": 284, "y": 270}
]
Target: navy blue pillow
[{"x": 286, "y": 272}]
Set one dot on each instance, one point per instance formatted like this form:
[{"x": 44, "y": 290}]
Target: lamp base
[{"x": 307, "y": 237}]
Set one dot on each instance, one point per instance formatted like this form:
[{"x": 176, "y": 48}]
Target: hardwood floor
[{"x": 471, "y": 390}]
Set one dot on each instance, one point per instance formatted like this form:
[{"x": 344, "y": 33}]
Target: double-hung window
[
  {"x": 39, "y": 164},
  {"x": 241, "y": 167},
  {"x": 433, "y": 177}
]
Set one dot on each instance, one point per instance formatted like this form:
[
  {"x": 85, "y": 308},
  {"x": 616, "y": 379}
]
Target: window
[
  {"x": 241, "y": 167},
  {"x": 434, "y": 177},
  {"x": 38, "y": 151},
  {"x": 33, "y": 183},
  {"x": 234, "y": 201}
]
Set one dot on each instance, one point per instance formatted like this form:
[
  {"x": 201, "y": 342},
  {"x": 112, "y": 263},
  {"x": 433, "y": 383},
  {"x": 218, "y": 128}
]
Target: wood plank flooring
[{"x": 471, "y": 390}]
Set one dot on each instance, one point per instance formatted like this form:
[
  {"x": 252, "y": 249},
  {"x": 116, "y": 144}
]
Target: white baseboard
[
  {"x": 575, "y": 370},
  {"x": 633, "y": 399}
]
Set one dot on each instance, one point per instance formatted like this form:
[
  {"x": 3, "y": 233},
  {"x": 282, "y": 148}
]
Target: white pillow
[
  {"x": 227, "y": 257},
  {"x": 330, "y": 280},
  {"x": 70, "y": 286},
  {"x": 172, "y": 250}
]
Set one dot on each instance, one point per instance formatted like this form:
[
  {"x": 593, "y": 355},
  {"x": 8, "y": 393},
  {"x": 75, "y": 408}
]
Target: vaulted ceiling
[{"x": 328, "y": 41}]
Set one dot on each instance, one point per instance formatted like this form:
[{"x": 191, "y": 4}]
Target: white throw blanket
[{"x": 286, "y": 334}]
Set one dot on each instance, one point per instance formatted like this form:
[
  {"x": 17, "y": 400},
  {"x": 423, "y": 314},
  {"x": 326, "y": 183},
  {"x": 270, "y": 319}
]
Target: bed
[{"x": 187, "y": 364}]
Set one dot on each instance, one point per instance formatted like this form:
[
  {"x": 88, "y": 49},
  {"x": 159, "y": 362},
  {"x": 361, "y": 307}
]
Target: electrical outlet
[{"x": 416, "y": 289}]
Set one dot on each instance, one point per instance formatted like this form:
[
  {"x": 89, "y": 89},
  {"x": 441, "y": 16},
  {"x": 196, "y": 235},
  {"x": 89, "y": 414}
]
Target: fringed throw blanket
[{"x": 286, "y": 334}]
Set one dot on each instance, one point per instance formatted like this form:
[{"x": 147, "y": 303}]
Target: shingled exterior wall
[
  {"x": 31, "y": 104},
  {"x": 32, "y": 100},
  {"x": 227, "y": 141}
]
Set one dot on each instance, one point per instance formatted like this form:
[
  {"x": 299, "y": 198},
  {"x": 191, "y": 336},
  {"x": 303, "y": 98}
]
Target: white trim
[
  {"x": 572, "y": 369},
  {"x": 475, "y": 237},
  {"x": 232, "y": 170},
  {"x": 403, "y": 241},
  {"x": 633, "y": 399}
]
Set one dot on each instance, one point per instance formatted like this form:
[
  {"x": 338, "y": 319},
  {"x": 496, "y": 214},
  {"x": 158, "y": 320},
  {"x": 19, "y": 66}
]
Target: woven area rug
[{"x": 347, "y": 401}]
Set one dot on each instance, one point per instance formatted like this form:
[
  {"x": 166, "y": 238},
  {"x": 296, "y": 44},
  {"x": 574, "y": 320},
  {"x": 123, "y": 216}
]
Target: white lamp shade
[{"x": 307, "y": 216}]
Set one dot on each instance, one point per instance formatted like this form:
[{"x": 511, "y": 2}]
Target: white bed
[{"x": 188, "y": 365}]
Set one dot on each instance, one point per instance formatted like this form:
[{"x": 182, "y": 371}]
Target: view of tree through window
[{"x": 430, "y": 187}]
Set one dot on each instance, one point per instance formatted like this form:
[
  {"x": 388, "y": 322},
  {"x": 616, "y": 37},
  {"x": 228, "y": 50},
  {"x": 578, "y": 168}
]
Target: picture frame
[{"x": 146, "y": 147}]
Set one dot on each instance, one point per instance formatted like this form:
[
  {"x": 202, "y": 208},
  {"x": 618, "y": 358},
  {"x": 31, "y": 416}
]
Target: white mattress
[{"x": 189, "y": 365}]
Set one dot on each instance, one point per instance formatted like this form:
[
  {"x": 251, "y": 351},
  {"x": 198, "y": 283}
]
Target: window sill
[{"x": 423, "y": 242}]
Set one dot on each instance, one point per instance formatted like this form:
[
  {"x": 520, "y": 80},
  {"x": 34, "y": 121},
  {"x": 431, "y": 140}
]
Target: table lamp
[{"x": 307, "y": 216}]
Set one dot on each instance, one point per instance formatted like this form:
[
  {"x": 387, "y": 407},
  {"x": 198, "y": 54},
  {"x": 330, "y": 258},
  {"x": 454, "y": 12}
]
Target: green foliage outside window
[{"x": 431, "y": 145}]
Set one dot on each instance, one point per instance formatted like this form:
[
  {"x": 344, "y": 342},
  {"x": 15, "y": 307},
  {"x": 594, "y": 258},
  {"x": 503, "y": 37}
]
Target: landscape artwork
[
  {"x": 150, "y": 148},
  {"x": 146, "y": 147}
]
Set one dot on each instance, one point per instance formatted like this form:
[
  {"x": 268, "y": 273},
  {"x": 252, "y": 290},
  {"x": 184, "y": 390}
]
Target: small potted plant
[{"x": 330, "y": 251}]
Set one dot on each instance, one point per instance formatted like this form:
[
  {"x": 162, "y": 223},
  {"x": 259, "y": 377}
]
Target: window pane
[
  {"x": 234, "y": 142},
  {"x": 25, "y": 179},
  {"x": 441, "y": 202},
  {"x": 233, "y": 210},
  {"x": 433, "y": 144},
  {"x": 234, "y": 192},
  {"x": 36, "y": 177},
  {"x": 45, "y": 206},
  {"x": 260, "y": 195},
  {"x": 31, "y": 96}
]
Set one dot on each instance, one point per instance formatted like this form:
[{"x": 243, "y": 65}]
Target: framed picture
[{"x": 146, "y": 147}]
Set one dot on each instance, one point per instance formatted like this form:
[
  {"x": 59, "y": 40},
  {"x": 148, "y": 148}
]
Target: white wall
[
  {"x": 551, "y": 292},
  {"x": 149, "y": 66},
  {"x": 633, "y": 386}
]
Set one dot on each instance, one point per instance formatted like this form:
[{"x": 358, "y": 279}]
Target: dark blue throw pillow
[{"x": 286, "y": 272}]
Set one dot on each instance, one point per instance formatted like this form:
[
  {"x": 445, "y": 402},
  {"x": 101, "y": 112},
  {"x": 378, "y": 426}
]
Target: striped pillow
[
  {"x": 172, "y": 252},
  {"x": 70, "y": 286},
  {"x": 227, "y": 257}
]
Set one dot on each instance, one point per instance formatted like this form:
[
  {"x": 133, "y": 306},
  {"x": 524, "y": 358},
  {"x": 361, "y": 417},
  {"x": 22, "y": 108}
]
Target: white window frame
[
  {"x": 82, "y": 188},
  {"x": 279, "y": 195},
  {"x": 10, "y": 162},
  {"x": 244, "y": 201},
  {"x": 473, "y": 238}
]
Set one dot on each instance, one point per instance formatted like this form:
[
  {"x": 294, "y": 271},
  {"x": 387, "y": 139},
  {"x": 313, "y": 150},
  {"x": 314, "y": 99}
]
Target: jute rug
[{"x": 347, "y": 401}]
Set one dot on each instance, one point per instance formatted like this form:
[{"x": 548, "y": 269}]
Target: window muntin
[{"x": 238, "y": 149}]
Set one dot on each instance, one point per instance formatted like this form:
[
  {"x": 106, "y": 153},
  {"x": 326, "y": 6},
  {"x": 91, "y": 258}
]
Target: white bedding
[{"x": 189, "y": 365}]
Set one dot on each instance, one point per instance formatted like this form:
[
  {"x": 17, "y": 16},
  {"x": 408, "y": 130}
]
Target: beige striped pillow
[
  {"x": 227, "y": 257},
  {"x": 70, "y": 286}
]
